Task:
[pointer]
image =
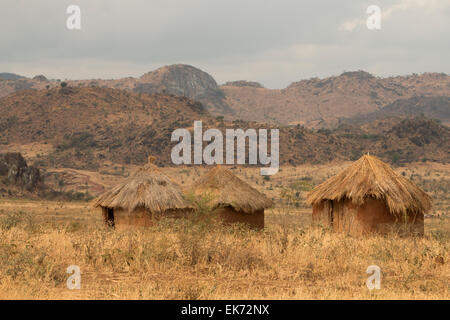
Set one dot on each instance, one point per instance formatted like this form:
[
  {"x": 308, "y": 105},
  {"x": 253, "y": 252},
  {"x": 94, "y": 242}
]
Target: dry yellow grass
[{"x": 176, "y": 260}]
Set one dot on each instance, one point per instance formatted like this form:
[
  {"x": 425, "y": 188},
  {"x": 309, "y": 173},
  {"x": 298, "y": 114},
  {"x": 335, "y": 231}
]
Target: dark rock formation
[
  {"x": 40, "y": 78},
  {"x": 187, "y": 81},
  {"x": 15, "y": 168},
  {"x": 244, "y": 83},
  {"x": 360, "y": 75}
]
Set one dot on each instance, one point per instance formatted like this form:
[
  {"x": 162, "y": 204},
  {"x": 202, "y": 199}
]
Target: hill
[
  {"x": 86, "y": 126},
  {"x": 436, "y": 107},
  {"x": 314, "y": 103},
  {"x": 321, "y": 102},
  {"x": 10, "y": 76},
  {"x": 405, "y": 140},
  {"x": 185, "y": 80},
  {"x": 90, "y": 128}
]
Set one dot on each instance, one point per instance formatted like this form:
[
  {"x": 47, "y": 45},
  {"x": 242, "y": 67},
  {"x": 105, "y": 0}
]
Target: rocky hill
[
  {"x": 403, "y": 140},
  {"x": 179, "y": 80},
  {"x": 89, "y": 128},
  {"x": 85, "y": 126},
  {"x": 321, "y": 102},
  {"x": 314, "y": 103},
  {"x": 185, "y": 80},
  {"x": 436, "y": 107},
  {"x": 10, "y": 76}
]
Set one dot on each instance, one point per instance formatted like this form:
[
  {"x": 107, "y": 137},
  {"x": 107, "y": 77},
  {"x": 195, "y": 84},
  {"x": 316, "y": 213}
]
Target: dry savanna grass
[{"x": 185, "y": 260}]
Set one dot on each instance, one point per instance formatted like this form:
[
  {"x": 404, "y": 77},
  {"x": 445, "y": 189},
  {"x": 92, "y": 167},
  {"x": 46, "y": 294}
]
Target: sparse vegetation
[
  {"x": 198, "y": 260},
  {"x": 181, "y": 260},
  {"x": 96, "y": 132}
]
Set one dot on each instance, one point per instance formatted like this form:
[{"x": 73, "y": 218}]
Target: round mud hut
[
  {"x": 143, "y": 197},
  {"x": 369, "y": 197},
  {"x": 233, "y": 200}
]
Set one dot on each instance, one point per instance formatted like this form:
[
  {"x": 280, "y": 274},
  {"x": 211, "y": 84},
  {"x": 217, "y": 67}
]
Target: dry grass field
[
  {"x": 181, "y": 260},
  {"x": 185, "y": 260}
]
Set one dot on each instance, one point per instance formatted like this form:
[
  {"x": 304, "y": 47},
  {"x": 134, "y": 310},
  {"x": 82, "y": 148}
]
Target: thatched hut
[
  {"x": 143, "y": 197},
  {"x": 233, "y": 200},
  {"x": 369, "y": 197}
]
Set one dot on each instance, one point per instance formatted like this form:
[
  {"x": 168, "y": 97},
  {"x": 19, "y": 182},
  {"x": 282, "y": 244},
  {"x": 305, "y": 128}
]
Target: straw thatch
[
  {"x": 225, "y": 189},
  {"x": 371, "y": 177},
  {"x": 147, "y": 188}
]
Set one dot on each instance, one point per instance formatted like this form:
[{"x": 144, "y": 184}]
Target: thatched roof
[
  {"x": 148, "y": 187},
  {"x": 225, "y": 189},
  {"x": 371, "y": 177}
]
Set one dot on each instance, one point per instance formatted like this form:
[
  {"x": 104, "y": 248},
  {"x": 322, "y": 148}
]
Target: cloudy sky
[{"x": 274, "y": 42}]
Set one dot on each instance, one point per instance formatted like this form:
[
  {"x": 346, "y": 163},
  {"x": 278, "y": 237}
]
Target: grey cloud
[{"x": 229, "y": 39}]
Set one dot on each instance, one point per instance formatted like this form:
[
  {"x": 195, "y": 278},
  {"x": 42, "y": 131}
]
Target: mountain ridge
[
  {"x": 88, "y": 127},
  {"x": 314, "y": 102}
]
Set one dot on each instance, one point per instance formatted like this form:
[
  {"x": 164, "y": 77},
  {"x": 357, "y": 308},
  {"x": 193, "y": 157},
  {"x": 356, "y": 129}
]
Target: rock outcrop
[
  {"x": 187, "y": 81},
  {"x": 243, "y": 83},
  {"x": 14, "y": 167},
  {"x": 40, "y": 78}
]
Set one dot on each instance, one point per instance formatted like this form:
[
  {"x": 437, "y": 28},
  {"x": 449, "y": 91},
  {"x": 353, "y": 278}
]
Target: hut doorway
[
  {"x": 331, "y": 213},
  {"x": 109, "y": 218}
]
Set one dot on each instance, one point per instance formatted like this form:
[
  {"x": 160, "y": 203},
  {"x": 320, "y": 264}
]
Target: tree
[{"x": 61, "y": 184}]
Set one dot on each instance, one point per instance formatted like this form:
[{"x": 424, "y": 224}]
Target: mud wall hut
[
  {"x": 369, "y": 197},
  {"x": 143, "y": 197},
  {"x": 232, "y": 199}
]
